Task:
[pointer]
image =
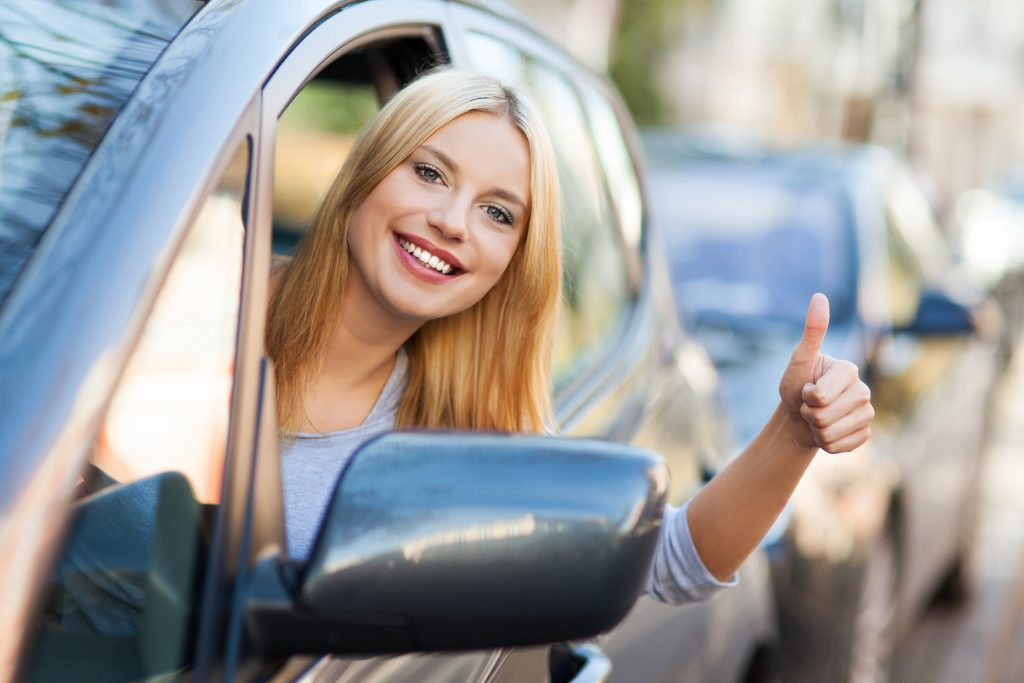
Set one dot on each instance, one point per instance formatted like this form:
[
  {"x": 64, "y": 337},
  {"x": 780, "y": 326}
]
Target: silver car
[{"x": 155, "y": 154}]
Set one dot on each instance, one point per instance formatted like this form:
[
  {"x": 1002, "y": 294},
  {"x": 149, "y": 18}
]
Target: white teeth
[{"x": 425, "y": 257}]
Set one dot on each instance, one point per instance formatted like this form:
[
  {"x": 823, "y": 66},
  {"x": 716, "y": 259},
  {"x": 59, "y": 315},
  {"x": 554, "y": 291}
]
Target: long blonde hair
[{"x": 486, "y": 368}]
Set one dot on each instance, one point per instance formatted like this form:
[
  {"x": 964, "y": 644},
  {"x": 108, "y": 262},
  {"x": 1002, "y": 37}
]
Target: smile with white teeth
[{"x": 425, "y": 257}]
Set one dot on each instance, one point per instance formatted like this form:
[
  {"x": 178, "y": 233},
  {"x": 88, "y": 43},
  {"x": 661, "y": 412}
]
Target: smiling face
[{"x": 436, "y": 234}]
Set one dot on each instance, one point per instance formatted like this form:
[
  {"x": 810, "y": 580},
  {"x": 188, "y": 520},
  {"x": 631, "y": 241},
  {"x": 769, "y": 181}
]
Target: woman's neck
[
  {"x": 359, "y": 357},
  {"x": 365, "y": 336}
]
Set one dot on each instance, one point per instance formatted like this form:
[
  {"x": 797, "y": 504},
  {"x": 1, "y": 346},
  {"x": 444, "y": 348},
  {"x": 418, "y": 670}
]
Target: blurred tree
[{"x": 647, "y": 30}]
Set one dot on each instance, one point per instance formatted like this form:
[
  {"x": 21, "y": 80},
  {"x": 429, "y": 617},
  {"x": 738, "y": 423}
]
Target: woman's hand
[
  {"x": 824, "y": 405},
  {"x": 827, "y": 404}
]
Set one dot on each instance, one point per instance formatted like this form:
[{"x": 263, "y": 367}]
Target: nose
[{"x": 450, "y": 218}]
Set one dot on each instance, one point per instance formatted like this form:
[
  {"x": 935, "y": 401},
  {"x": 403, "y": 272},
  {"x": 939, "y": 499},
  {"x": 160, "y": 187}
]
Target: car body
[
  {"x": 871, "y": 536},
  {"x": 147, "y": 152}
]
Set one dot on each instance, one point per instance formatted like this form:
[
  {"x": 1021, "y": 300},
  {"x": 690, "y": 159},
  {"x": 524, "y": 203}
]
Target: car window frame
[
  {"x": 326, "y": 41},
  {"x": 613, "y": 359}
]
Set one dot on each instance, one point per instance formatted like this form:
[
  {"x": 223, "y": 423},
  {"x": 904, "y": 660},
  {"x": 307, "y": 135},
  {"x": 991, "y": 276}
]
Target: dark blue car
[{"x": 872, "y": 536}]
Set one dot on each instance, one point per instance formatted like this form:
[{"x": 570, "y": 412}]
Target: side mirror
[
  {"x": 939, "y": 314},
  {"x": 442, "y": 541}
]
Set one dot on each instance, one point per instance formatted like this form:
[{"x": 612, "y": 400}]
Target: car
[
  {"x": 870, "y": 537},
  {"x": 156, "y": 154}
]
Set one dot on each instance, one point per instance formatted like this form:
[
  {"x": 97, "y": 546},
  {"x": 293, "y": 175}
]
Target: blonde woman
[{"x": 424, "y": 296}]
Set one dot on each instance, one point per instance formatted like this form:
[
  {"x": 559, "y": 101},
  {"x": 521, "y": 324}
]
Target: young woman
[{"x": 425, "y": 294}]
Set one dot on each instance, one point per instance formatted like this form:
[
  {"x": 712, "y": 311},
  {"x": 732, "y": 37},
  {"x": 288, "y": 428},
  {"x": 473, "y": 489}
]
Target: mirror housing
[
  {"x": 938, "y": 313},
  {"x": 442, "y": 541}
]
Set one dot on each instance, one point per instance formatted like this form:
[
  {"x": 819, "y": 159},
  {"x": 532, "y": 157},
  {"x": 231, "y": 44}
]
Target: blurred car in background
[
  {"x": 154, "y": 153},
  {"x": 869, "y": 537}
]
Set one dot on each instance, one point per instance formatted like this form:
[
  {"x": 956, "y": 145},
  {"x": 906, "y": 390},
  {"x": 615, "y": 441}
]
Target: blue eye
[
  {"x": 499, "y": 214},
  {"x": 428, "y": 173}
]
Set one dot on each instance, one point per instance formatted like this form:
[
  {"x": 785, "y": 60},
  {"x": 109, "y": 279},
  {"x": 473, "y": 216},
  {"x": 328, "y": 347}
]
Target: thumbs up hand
[{"x": 828, "y": 406}]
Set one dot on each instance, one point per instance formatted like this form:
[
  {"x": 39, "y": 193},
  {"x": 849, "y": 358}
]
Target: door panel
[{"x": 926, "y": 392}]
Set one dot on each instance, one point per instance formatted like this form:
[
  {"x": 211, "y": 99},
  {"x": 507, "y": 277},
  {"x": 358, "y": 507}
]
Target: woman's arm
[{"x": 823, "y": 405}]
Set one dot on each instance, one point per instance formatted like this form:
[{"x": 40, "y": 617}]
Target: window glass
[
  {"x": 750, "y": 243},
  {"x": 904, "y": 276},
  {"x": 595, "y": 281},
  {"x": 616, "y": 163},
  {"x": 122, "y": 596},
  {"x": 915, "y": 222},
  {"x": 69, "y": 66}
]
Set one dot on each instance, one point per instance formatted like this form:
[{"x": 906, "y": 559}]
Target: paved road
[{"x": 983, "y": 641}]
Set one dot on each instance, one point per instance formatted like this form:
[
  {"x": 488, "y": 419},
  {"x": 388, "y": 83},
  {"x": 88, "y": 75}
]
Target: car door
[
  {"x": 930, "y": 389},
  {"x": 131, "y": 578}
]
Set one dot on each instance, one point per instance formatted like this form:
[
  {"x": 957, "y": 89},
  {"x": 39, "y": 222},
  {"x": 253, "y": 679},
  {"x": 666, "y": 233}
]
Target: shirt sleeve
[{"x": 677, "y": 574}]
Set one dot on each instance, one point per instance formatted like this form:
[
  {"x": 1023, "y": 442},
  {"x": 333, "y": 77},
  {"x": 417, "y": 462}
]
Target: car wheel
[
  {"x": 955, "y": 586},
  {"x": 871, "y": 643},
  {"x": 764, "y": 666}
]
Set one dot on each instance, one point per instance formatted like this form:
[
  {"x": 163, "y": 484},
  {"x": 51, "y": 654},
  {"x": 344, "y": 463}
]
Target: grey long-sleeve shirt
[{"x": 311, "y": 463}]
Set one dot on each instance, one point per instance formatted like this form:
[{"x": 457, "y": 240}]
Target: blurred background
[
  {"x": 748, "y": 112},
  {"x": 940, "y": 82}
]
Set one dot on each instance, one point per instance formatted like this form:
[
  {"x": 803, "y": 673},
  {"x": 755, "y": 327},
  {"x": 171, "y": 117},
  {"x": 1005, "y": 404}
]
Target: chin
[{"x": 414, "y": 308}]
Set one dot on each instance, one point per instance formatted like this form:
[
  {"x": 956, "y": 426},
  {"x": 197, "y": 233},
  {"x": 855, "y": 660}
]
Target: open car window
[{"x": 315, "y": 133}]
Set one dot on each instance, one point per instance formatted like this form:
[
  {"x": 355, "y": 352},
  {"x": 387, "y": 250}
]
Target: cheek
[
  {"x": 502, "y": 249},
  {"x": 360, "y": 236},
  {"x": 498, "y": 262},
  {"x": 354, "y": 238}
]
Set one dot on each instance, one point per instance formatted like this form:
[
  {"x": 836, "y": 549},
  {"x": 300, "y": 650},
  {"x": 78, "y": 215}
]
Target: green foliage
[
  {"x": 328, "y": 106},
  {"x": 647, "y": 31}
]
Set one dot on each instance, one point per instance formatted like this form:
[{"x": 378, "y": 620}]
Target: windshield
[
  {"x": 66, "y": 69},
  {"x": 750, "y": 244}
]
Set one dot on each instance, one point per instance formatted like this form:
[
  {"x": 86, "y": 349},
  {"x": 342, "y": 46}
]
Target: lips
[
  {"x": 428, "y": 266},
  {"x": 429, "y": 255},
  {"x": 426, "y": 258},
  {"x": 431, "y": 249}
]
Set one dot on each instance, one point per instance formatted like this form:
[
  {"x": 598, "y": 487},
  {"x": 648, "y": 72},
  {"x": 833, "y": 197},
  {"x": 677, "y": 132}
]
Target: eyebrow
[{"x": 497, "y": 191}]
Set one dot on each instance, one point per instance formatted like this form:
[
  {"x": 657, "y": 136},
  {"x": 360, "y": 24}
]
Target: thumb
[{"x": 815, "y": 326}]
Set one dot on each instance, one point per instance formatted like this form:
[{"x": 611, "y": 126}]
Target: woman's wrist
[{"x": 790, "y": 432}]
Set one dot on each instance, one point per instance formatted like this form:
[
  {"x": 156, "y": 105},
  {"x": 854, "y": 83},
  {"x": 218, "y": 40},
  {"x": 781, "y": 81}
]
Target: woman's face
[{"x": 438, "y": 231}]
